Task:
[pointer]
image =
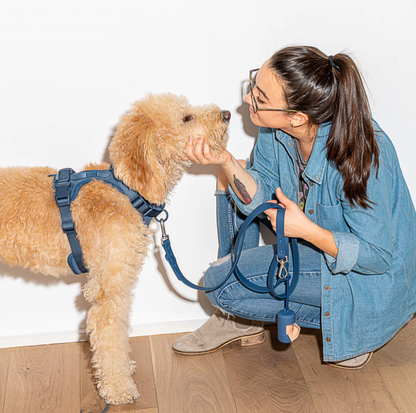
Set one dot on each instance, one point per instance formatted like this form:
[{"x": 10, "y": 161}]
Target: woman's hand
[
  {"x": 297, "y": 224},
  {"x": 202, "y": 154}
]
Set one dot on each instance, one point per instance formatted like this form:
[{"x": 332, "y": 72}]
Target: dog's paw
[{"x": 125, "y": 392}]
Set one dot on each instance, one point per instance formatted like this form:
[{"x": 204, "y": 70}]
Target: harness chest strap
[{"x": 67, "y": 185}]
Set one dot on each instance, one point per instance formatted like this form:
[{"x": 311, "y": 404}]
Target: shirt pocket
[{"x": 331, "y": 217}]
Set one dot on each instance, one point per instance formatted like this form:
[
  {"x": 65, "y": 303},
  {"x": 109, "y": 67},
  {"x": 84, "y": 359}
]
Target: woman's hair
[{"x": 332, "y": 91}]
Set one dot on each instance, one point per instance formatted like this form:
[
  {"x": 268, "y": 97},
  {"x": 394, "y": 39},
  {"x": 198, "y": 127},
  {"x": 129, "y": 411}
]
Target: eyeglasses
[{"x": 252, "y": 79}]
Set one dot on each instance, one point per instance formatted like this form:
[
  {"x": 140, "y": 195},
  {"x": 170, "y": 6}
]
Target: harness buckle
[
  {"x": 138, "y": 203},
  {"x": 62, "y": 187},
  {"x": 67, "y": 226}
]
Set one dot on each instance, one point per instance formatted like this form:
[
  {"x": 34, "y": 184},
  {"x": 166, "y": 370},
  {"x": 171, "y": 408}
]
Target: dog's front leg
[{"x": 107, "y": 325}]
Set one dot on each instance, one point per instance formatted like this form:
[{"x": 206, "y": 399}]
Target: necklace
[{"x": 303, "y": 188}]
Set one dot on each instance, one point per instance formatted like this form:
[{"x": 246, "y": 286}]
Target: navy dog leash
[{"x": 278, "y": 265}]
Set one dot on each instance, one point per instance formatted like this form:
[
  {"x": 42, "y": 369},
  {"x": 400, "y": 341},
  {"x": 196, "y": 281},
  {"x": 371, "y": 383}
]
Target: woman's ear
[{"x": 299, "y": 119}]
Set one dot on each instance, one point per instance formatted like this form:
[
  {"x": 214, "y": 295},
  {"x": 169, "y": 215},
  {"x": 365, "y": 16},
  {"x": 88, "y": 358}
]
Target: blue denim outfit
[{"x": 362, "y": 298}]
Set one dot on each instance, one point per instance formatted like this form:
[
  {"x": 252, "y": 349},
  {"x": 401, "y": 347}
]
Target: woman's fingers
[
  {"x": 199, "y": 151},
  {"x": 207, "y": 154},
  {"x": 190, "y": 150},
  {"x": 201, "y": 154}
]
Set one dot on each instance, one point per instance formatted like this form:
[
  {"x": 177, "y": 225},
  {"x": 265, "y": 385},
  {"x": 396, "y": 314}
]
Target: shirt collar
[{"x": 317, "y": 161}]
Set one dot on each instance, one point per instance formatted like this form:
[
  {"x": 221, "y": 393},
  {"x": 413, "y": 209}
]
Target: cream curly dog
[{"x": 146, "y": 152}]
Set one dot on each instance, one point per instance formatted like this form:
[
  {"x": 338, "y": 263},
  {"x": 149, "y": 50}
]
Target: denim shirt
[{"x": 369, "y": 291}]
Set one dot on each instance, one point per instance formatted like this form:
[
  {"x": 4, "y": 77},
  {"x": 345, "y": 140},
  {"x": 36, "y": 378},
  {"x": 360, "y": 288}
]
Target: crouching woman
[{"x": 323, "y": 158}]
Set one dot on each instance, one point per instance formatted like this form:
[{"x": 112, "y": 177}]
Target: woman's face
[{"x": 269, "y": 94}]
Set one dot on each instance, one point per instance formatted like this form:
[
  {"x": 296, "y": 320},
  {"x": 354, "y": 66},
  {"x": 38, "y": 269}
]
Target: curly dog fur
[{"x": 146, "y": 152}]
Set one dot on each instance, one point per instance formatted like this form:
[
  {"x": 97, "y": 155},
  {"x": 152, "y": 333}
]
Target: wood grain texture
[
  {"x": 110, "y": 410},
  {"x": 44, "y": 379},
  {"x": 267, "y": 378},
  {"x": 4, "y": 372},
  {"x": 401, "y": 384},
  {"x": 190, "y": 384},
  {"x": 336, "y": 390},
  {"x": 91, "y": 402}
]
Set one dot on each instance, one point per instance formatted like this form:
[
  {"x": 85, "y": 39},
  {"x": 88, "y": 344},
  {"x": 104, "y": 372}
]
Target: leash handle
[{"x": 280, "y": 259}]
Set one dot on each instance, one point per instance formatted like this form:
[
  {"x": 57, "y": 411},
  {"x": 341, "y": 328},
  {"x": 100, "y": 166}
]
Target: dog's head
[{"x": 149, "y": 144}]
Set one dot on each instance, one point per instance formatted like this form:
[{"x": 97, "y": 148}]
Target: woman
[{"x": 338, "y": 176}]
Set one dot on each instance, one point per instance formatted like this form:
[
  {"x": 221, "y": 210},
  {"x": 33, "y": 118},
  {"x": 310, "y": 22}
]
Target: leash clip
[
  {"x": 162, "y": 227},
  {"x": 282, "y": 267}
]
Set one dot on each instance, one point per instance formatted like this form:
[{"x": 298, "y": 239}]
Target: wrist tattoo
[{"x": 242, "y": 190}]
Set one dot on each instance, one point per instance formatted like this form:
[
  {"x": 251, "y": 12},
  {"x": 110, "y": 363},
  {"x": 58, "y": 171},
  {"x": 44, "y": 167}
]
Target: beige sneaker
[
  {"x": 354, "y": 363},
  {"x": 217, "y": 332}
]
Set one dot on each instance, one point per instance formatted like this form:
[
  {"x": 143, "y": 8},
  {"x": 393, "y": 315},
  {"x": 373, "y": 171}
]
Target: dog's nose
[{"x": 226, "y": 115}]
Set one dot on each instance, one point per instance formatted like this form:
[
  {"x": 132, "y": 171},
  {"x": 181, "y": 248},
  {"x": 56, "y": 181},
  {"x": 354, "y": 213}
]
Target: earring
[{"x": 292, "y": 125}]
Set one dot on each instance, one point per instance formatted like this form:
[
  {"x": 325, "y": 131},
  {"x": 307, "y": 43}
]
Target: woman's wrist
[
  {"x": 230, "y": 163},
  {"x": 228, "y": 160},
  {"x": 323, "y": 239}
]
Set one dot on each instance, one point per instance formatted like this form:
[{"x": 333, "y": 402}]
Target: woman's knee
[
  {"x": 216, "y": 272},
  {"x": 222, "y": 181},
  {"x": 215, "y": 275}
]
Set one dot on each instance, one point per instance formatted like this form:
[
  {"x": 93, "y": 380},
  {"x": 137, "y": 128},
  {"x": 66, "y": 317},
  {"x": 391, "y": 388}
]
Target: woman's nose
[{"x": 247, "y": 98}]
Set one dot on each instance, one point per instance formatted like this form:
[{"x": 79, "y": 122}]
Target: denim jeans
[{"x": 254, "y": 263}]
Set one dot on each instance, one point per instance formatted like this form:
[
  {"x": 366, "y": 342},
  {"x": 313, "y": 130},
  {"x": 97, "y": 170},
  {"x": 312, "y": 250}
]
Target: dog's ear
[{"x": 133, "y": 153}]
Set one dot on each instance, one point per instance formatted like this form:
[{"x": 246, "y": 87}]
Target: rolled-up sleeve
[
  {"x": 368, "y": 247},
  {"x": 264, "y": 171}
]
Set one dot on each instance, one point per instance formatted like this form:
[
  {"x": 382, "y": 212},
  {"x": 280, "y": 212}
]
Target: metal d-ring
[{"x": 166, "y": 216}]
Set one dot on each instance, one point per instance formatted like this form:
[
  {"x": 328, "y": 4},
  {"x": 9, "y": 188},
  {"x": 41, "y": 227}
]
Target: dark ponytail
[{"x": 332, "y": 90}]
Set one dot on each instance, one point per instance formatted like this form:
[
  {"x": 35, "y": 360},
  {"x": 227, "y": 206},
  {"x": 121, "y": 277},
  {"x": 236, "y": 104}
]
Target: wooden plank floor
[{"x": 271, "y": 377}]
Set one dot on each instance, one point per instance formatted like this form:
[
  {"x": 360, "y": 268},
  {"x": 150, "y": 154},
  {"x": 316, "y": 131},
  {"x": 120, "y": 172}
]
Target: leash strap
[{"x": 280, "y": 259}]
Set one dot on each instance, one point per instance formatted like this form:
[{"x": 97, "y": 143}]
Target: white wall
[{"x": 69, "y": 70}]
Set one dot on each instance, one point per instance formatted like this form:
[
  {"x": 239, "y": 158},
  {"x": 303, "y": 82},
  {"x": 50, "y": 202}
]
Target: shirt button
[
  {"x": 311, "y": 183},
  {"x": 311, "y": 211},
  {"x": 327, "y": 314},
  {"x": 326, "y": 287},
  {"x": 328, "y": 339}
]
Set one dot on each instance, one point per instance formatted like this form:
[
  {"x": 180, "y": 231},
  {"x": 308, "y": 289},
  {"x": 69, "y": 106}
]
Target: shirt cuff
[
  {"x": 256, "y": 201},
  {"x": 348, "y": 247}
]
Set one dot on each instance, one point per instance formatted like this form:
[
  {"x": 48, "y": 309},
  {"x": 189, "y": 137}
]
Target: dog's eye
[{"x": 188, "y": 118}]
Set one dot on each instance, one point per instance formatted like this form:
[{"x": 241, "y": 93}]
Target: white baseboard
[{"x": 76, "y": 336}]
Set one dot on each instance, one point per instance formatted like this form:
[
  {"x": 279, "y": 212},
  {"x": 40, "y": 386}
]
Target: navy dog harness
[{"x": 67, "y": 184}]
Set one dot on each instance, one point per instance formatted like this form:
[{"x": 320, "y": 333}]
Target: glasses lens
[
  {"x": 253, "y": 79},
  {"x": 253, "y": 76}
]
